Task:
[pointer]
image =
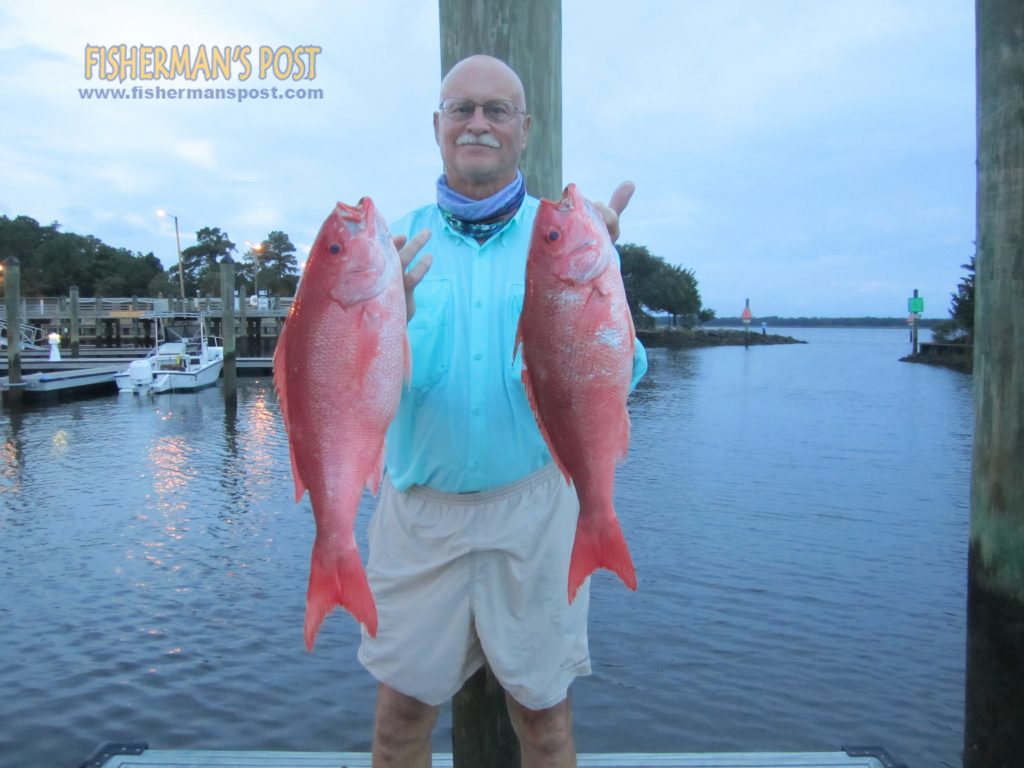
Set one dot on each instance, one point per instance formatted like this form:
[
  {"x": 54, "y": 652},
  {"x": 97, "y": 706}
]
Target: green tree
[
  {"x": 962, "y": 306},
  {"x": 639, "y": 268},
  {"x": 652, "y": 284},
  {"x": 279, "y": 269},
  {"x": 675, "y": 291},
  {"x": 52, "y": 261},
  {"x": 960, "y": 326},
  {"x": 200, "y": 261}
]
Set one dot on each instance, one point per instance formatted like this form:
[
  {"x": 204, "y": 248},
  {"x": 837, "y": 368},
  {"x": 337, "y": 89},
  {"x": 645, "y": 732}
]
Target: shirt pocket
[{"x": 430, "y": 332}]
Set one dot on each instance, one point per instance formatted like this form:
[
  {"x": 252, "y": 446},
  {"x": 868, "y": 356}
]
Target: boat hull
[{"x": 170, "y": 381}]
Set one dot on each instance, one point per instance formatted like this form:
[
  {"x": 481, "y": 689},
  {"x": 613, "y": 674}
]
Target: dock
[
  {"x": 93, "y": 357},
  {"x": 54, "y": 384},
  {"x": 138, "y": 755}
]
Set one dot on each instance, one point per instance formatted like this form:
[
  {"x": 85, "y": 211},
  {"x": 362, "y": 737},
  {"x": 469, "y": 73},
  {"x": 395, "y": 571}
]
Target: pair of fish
[{"x": 343, "y": 357}]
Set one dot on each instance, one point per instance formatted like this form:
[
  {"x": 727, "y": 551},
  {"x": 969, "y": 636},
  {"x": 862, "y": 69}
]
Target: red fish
[
  {"x": 339, "y": 369},
  {"x": 577, "y": 343}
]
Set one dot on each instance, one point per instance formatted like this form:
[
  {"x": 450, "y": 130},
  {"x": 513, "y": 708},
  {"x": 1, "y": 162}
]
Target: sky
[{"x": 814, "y": 156}]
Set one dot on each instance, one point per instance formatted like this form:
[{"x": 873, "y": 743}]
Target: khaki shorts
[{"x": 463, "y": 578}]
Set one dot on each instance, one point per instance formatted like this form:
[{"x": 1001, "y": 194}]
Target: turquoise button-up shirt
[{"x": 464, "y": 423}]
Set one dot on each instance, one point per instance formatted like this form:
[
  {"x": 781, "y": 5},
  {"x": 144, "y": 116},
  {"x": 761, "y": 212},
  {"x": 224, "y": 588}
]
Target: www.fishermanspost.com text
[{"x": 200, "y": 94}]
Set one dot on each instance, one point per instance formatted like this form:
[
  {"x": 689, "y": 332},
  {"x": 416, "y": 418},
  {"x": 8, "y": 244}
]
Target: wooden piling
[
  {"x": 527, "y": 35},
  {"x": 994, "y": 712},
  {"x": 227, "y": 296},
  {"x": 12, "y": 300},
  {"x": 75, "y": 322},
  {"x": 482, "y": 733},
  {"x": 242, "y": 300}
]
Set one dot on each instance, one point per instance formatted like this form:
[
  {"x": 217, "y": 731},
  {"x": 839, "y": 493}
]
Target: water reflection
[
  {"x": 785, "y": 547},
  {"x": 10, "y": 453}
]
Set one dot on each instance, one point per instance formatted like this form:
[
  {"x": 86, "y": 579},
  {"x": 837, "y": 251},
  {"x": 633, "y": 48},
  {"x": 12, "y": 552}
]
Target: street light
[
  {"x": 255, "y": 249},
  {"x": 177, "y": 238}
]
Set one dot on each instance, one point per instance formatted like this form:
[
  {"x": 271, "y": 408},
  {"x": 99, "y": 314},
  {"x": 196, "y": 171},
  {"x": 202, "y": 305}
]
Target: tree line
[
  {"x": 960, "y": 326},
  {"x": 52, "y": 261},
  {"x": 653, "y": 285}
]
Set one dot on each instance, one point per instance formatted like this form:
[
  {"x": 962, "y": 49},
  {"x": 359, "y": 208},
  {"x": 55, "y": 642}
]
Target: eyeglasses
[{"x": 495, "y": 110}]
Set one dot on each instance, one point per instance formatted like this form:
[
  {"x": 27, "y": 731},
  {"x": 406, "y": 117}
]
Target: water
[{"x": 798, "y": 516}]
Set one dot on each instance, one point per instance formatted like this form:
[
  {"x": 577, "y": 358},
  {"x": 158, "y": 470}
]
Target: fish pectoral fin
[
  {"x": 596, "y": 311},
  {"x": 368, "y": 340},
  {"x": 519, "y": 340},
  {"x": 376, "y": 472},
  {"x": 624, "y": 431}
]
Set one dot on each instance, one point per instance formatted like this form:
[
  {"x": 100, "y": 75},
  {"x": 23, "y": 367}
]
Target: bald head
[
  {"x": 480, "y": 154},
  {"x": 481, "y": 68}
]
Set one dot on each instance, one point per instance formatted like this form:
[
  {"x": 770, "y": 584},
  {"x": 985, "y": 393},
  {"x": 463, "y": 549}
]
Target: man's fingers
[
  {"x": 408, "y": 251},
  {"x": 399, "y": 241},
  {"x": 621, "y": 195},
  {"x": 414, "y": 275}
]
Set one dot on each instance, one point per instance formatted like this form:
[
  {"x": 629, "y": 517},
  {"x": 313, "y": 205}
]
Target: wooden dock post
[
  {"x": 994, "y": 713},
  {"x": 527, "y": 35},
  {"x": 75, "y": 322},
  {"x": 242, "y": 300},
  {"x": 12, "y": 300},
  {"x": 227, "y": 324}
]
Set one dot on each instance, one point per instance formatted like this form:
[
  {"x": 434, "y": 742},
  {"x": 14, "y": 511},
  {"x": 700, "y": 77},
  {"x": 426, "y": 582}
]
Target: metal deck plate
[{"x": 157, "y": 758}]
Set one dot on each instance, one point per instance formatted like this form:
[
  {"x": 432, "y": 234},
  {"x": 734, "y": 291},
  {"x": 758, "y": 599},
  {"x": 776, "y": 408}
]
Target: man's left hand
[{"x": 611, "y": 211}]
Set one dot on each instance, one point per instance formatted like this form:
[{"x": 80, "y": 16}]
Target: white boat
[{"x": 184, "y": 359}]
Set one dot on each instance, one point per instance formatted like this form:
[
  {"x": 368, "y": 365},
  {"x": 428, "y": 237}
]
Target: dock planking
[{"x": 850, "y": 757}]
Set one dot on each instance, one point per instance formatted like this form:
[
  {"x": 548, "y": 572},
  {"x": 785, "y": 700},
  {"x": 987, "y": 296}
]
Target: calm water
[{"x": 798, "y": 516}]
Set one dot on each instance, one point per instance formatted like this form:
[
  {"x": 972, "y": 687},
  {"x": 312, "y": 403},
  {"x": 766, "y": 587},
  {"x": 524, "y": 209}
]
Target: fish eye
[
  {"x": 553, "y": 235},
  {"x": 335, "y": 248}
]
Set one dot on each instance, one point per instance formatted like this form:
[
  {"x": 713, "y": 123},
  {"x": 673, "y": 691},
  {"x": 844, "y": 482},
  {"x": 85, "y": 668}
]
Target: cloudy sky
[{"x": 816, "y": 156}]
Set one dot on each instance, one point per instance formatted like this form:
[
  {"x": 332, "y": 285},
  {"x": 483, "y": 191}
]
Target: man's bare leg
[
  {"x": 545, "y": 735},
  {"x": 401, "y": 733}
]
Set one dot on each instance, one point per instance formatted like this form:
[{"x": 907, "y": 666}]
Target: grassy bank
[{"x": 716, "y": 337}]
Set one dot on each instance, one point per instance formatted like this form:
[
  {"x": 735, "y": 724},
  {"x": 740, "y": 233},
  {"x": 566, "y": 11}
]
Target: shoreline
[{"x": 695, "y": 338}]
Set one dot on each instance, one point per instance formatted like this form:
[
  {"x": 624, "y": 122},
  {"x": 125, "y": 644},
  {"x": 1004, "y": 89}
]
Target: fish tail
[
  {"x": 601, "y": 546},
  {"x": 337, "y": 580}
]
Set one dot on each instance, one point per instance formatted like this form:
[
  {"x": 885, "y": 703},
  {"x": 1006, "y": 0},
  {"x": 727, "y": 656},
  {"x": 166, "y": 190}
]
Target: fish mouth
[
  {"x": 570, "y": 196},
  {"x": 355, "y": 217},
  {"x": 583, "y": 246}
]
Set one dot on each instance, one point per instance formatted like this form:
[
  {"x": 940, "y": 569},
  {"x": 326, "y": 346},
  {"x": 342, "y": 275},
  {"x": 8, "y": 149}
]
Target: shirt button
[
  {"x": 478, "y": 304},
  {"x": 476, "y": 411},
  {"x": 478, "y": 356}
]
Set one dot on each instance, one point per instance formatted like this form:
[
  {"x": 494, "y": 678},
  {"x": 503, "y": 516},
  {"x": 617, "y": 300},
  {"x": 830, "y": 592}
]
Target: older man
[{"x": 470, "y": 542}]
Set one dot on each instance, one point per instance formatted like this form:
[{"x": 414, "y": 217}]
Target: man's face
[{"x": 480, "y": 157}]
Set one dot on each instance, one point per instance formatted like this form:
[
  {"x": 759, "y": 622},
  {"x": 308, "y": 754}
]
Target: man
[{"x": 470, "y": 542}]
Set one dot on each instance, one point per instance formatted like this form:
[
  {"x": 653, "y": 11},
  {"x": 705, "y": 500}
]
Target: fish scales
[
  {"x": 339, "y": 369},
  {"x": 577, "y": 340}
]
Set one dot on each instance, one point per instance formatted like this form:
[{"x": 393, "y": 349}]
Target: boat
[{"x": 185, "y": 358}]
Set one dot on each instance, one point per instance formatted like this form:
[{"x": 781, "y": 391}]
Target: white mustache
[{"x": 485, "y": 139}]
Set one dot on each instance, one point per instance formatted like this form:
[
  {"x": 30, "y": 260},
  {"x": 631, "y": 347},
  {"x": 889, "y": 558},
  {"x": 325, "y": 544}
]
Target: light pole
[
  {"x": 254, "y": 249},
  {"x": 177, "y": 239}
]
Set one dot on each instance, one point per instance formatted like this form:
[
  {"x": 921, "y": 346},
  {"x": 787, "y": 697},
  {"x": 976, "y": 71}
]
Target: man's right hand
[{"x": 407, "y": 252}]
